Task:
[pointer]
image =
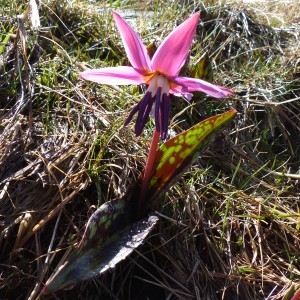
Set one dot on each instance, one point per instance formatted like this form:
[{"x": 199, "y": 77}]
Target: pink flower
[{"x": 160, "y": 73}]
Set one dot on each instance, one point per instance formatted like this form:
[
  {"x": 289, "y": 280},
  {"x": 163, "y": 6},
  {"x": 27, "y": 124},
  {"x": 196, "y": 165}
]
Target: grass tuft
[{"x": 229, "y": 229}]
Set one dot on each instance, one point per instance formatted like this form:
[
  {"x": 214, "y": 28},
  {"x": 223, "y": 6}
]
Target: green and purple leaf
[
  {"x": 202, "y": 69},
  {"x": 110, "y": 236},
  {"x": 178, "y": 153}
]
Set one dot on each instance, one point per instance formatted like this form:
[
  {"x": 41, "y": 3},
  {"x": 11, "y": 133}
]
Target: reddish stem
[{"x": 148, "y": 168}]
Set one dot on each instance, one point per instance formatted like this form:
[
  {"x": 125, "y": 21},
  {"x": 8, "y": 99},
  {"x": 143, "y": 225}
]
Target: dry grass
[{"x": 229, "y": 229}]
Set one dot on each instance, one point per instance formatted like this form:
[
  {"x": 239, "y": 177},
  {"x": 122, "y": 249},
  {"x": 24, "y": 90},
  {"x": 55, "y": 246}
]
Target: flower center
[
  {"x": 159, "y": 81},
  {"x": 158, "y": 91}
]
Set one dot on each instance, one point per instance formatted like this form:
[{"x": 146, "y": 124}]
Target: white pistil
[
  {"x": 163, "y": 82},
  {"x": 159, "y": 81}
]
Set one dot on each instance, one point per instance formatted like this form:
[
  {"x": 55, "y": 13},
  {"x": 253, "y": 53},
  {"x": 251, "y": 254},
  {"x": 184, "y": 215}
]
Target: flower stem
[{"x": 148, "y": 169}]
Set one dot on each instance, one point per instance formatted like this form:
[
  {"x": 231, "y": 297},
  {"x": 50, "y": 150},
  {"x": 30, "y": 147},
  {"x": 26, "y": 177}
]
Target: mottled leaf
[
  {"x": 109, "y": 238},
  {"x": 202, "y": 69},
  {"x": 177, "y": 154}
]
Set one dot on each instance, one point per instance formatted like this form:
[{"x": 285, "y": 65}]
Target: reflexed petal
[
  {"x": 114, "y": 75},
  {"x": 172, "y": 53},
  {"x": 134, "y": 47},
  {"x": 179, "y": 91},
  {"x": 193, "y": 84}
]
